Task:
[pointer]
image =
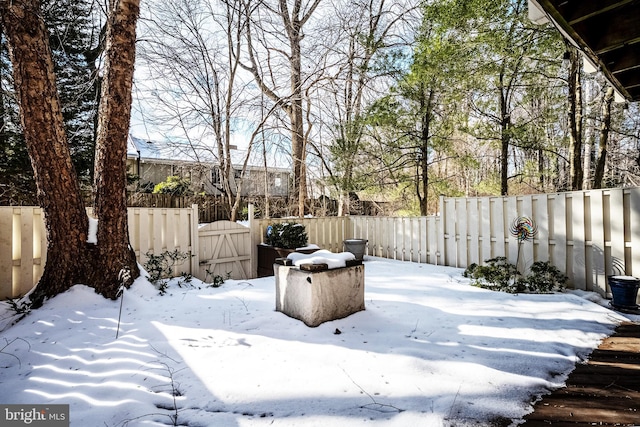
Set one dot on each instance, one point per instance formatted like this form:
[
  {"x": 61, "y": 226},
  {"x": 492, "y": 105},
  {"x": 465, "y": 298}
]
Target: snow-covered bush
[
  {"x": 500, "y": 275},
  {"x": 287, "y": 235}
]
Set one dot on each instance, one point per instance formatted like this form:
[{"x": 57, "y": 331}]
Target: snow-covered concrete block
[{"x": 316, "y": 297}]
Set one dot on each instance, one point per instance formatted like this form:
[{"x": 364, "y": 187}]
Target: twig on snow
[{"x": 374, "y": 405}]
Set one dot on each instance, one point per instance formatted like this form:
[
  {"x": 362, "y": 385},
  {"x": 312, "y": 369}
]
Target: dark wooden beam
[
  {"x": 621, "y": 59},
  {"x": 629, "y": 78},
  {"x": 577, "y": 11},
  {"x": 611, "y": 30},
  {"x": 607, "y": 32}
]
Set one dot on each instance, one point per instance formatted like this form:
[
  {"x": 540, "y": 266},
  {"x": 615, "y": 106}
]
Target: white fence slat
[
  {"x": 157, "y": 223},
  {"x": 485, "y": 229},
  {"x": 414, "y": 233},
  {"x": 527, "y": 246},
  {"x": 392, "y": 237},
  {"x": 541, "y": 217},
  {"x": 441, "y": 255},
  {"x": 144, "y": 232},
  {"x": 462, "y": 221},
  {"x": 578, "y": 237},
  {"x": 433, "y": 250},
  {"x": 423, "y": 243},
  {"x": 449, "y": 218},
  {"x": 403, "y": 243},
  {"x": 473, "y": 231},
  {"x": 616, "y": 221},
  {"x": 383, "y": 241},
  {"x": 497, "y": 228},
  {"x": 39, "y": 246},
  {"x": 6, "y": 252},
  {"x": 26, "y": 250},
  {"x": 381, "y": 232},
  {"x": 511, "y": 243},
  {"x": 595, "y": 260},
  {"x": 399, "y": 243},
  {"x": 559, "y": 216},
  {"x": 134, "y": 240}
]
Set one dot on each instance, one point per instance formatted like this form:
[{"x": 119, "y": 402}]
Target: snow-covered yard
[{"x": 429, "y": 350}]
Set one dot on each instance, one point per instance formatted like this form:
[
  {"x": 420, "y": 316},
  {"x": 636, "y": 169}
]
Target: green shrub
[
  {"x": 544, "y": 278},
  {"x": 217, "y": 280},
  {"x": 175, "y": 185},
  {"x": 160, "y": 267},
  {"x": 287, "y": 235},
  {"x": 500, "y": 275}
]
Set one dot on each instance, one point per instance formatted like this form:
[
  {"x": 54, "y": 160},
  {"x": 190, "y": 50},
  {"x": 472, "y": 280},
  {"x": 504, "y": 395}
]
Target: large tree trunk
[
  {"x": 293, "y": 25},
  {"x": 70, "y": 259},
  {"x": 422, "y": 190},
  {"x": 604, "y": 137},
  {"x": 41, "y": 116},
  {"x": 575, "y": 120},
  {"x": 505, "y": 139},
  {"x": 110, "y": 204}
]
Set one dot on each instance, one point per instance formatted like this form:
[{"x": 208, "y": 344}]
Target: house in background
[{"x": 152, "y": 162}]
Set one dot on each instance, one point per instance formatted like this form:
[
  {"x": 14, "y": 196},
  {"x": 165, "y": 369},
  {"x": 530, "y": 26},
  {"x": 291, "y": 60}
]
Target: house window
[
  {"x": 215, "y": 175},
  {"x": 278, "y": 182},
  {"x": 237, "y": 173}
]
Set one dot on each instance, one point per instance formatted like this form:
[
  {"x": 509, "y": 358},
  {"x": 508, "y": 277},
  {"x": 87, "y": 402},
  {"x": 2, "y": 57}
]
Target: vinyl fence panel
[{"x": 588, "y": 235}]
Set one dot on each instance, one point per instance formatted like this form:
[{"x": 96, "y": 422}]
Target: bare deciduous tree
[
  {"x": 274, "y": 38},
  {"x": 192, "y": 51}
]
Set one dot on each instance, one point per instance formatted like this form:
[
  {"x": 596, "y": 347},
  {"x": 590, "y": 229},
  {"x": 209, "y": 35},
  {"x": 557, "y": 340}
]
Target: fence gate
[{"x": 224, "y": 249}]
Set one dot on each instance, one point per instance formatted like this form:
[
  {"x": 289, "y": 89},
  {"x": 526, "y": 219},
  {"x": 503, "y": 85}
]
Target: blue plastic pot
[{"x": 625, "y": 292}]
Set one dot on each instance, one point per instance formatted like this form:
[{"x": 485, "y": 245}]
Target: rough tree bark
[
  {"x": 114, "y": 113},
  {"x": 70, "y": 259},
  {"x": 422, "y": 186},
  {"x": 604, "y": 138},
  {"x": 293, "y": 20},
  {"x": 41, "y": 116},
  {"x": 575, "y": 120}
]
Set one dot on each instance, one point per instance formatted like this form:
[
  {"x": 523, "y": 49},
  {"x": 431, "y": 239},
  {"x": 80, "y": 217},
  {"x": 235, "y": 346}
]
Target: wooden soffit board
[{"x": 606, "y": 31}]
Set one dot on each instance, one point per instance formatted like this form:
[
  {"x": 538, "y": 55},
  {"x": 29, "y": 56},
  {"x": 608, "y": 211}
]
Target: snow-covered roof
[
  {"x": 182, "y": 152},
  {"x": 168, "y": 151}
]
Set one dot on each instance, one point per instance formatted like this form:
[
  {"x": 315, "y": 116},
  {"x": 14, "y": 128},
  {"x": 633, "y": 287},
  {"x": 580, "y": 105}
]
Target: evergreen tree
[
  {"x": 71, "y": 39},
  {"x": 16, "y": 177}
]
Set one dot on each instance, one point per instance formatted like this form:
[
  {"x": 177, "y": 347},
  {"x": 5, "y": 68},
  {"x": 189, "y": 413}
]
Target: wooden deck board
[{"x": 604, "y": 391}]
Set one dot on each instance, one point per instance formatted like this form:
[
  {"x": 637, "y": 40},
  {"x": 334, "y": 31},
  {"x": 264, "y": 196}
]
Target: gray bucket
[{"x": 356, "y": 246}]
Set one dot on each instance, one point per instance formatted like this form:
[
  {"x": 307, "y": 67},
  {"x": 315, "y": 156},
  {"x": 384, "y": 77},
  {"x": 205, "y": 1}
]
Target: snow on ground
[{"x": 429, "y": 350}]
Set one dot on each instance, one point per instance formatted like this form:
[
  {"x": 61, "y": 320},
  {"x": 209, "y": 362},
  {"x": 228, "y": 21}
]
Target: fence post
[
  {"x": 253, "y": 232},
  {"x": 195, "y": 240}
]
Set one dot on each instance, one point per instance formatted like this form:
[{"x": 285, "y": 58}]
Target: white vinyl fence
[
  {"x": 23, "y": 246},
  {"x": 586, "y": 234},
  {"x": 151, "y": 230},
  {"x": 589, "y": 235},
  {"x": 157, "y": 230}
]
